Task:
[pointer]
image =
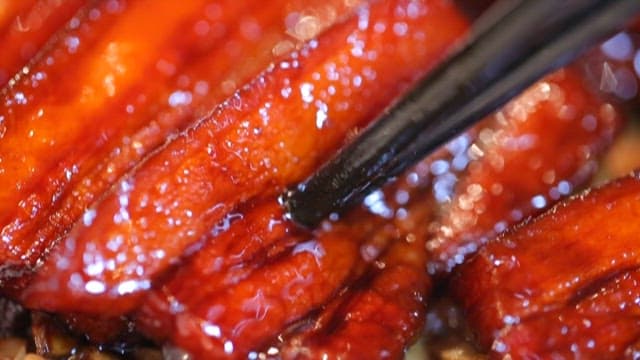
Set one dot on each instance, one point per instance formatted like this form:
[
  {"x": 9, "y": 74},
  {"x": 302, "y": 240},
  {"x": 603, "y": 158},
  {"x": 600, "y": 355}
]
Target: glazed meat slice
[
  {"x": 560, "y": 280},
  {"x": 572, "y": 117},
  {"x": 383, "y": 296},
  {"x": 243, "y": 310},
  {"x": 548, "y": 146},
  {"x": 475, "y": 158},
  {"x": 602, "y": 322},
  {"x": 270, "y": 134},
  {"x": 378, "y": 320},
  {"x": 193, "y": 243},
  {"x": 25, "y": 26},
  {"x": 286, "y": 275},
  {"x": 72, "y": 149},
  {"x": 85, "y": 83},
  {"x": 50, "y": 121},
  {"x": 382, "y": 312}
]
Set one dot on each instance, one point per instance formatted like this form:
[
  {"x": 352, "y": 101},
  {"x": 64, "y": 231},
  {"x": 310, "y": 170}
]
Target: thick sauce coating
[
  {"x": 565, "y": 264},
  {"x": 188, "y": 238},
  {"x": 270, "y": 134},
  {"x": 192, "y": 67},
  {"x": 549, "y": 145}
]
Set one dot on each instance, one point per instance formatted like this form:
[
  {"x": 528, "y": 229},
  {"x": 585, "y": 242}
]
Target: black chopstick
[{"x": 516, "y": 44}]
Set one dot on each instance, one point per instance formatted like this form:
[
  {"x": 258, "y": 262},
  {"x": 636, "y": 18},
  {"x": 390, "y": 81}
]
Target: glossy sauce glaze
[
  {"x": 26, "y": 26},
  {"x": 562, "y": 284},
  {"x": 111, "y": 124},
  {"x": 548, "y": 146},
  {"x": 186, "y": 241},
  {"x": 584, "y": 263},
  {"x": 269, "y": 134},
  {"x": 368, "y": 306}
]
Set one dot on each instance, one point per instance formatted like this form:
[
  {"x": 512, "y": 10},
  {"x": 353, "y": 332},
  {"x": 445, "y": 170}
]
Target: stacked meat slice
[
  {"x": 271, "y": 133},
  {"x": 87, "y": 112},
  {"x": 567, "y": 280},
  {"x": 141, "y": 158},
  {"x": 563, "y": 285}
]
